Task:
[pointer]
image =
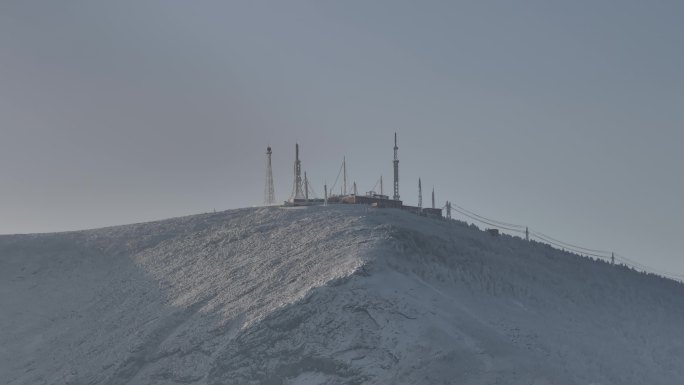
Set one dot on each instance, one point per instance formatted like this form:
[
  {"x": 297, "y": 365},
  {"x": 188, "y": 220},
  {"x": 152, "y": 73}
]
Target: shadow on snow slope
[
  {"x": 326, "y": 295},
  {"x": 444, "y": 303}
]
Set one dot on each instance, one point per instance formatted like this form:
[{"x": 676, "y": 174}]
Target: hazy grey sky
[{"x": 567, "y": 116}]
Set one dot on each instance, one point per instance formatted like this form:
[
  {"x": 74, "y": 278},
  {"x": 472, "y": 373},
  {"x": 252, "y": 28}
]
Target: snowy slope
[{"x": 326, "y": 295}]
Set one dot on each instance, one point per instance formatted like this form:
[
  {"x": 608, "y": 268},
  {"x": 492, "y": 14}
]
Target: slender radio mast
[
  {"x": 297, "y": 192},
  {"x": 306, "y": 187},
  {"x": 420, "y": 195},
  {"x": 269, "y": 192},
  {"x": 396, "y": 169},
  {"x": 433, "y": 197},
  {"x": 344, "y": 179}
]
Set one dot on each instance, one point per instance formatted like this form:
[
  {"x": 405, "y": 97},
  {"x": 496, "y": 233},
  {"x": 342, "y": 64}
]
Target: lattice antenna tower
[
  {"x": 396, "y": 169},
  {"x": 269, "y": 191},
  {"x": 297, "y": 191}
]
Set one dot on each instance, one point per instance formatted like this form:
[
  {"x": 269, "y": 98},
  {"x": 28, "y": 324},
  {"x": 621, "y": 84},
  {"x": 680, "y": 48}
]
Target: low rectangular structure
[
  {"x": 376, "y": 201},
  {"x": 428, "y": 212}
]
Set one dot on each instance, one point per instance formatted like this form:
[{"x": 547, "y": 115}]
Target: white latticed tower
[
  {"x": 269, "y": 192},
  {"x": 297, "y": 188}
]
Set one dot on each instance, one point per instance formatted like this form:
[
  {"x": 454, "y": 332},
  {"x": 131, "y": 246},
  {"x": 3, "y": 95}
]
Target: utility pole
[
  {"x": 269, "y": 192},
  {"x": 396, "y": 169}
]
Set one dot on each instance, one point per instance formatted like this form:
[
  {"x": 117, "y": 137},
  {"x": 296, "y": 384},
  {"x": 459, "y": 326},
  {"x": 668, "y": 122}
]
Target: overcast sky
[{"x": 567, "y": 116}]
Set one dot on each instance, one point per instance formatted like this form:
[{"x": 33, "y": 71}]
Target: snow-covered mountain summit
[{"x": 326, "y": 295}]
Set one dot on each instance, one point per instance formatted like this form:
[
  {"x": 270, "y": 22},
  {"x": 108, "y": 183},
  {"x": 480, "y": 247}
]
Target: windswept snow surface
[{"x": 326, "y": 295}]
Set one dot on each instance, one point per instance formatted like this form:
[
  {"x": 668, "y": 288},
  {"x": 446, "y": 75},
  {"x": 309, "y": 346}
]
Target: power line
[
  {"x": 488, "y": 219},
  {"x": 560, "y": 246},
  {"x": 313, "y": 192},
  {"x": 337, "y": 178},
  {"x": 486, "y": 222},
  {"x": 602, "y": 254},
  {"x": 571, "y": 245},
  {"x": 647, "y": 268}
]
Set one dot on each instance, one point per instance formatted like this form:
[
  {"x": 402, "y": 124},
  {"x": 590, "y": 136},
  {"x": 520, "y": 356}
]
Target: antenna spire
[
  {"x": 269, "y": 192},
  {"x": 433, "y": 197},
  {"x": 420, "y": 195},
  {"x": 306, "y": 187},
  {"x": 344, "y": 180},
  {"x": 396, "y": 169},
  {"x": 297, "y": 192}
]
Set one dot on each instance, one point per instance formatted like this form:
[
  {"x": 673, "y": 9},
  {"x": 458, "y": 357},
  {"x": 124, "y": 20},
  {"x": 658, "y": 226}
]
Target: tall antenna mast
[
  {"x": 297, "y": 192},
  {"x": 433, "y": 197},
  {"x": 396, "y": 169},
  {"x": 344, "y": 179},
  {"x": 420, "y": 195},
  {"x": 306, "y": 187},
  {"x": 269, "y": 192}
]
